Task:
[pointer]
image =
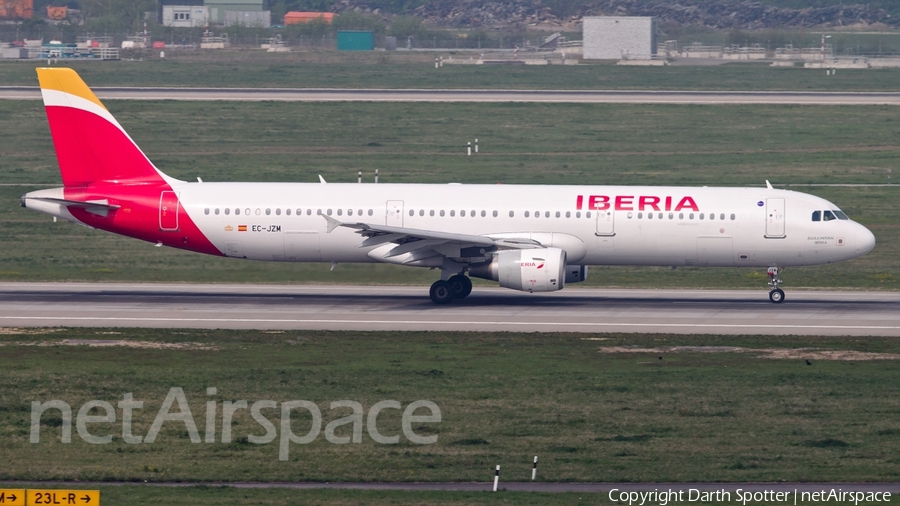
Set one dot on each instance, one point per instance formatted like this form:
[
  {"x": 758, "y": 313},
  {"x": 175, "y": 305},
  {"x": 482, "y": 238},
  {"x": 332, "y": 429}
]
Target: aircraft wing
[{"x": 418, "y": 244}]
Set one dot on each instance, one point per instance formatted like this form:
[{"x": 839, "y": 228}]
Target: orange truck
[
  {"x": 295, "y": 17},
  {"x": 16, "y": 9}
]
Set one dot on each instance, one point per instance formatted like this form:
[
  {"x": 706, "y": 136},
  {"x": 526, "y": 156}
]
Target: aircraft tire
[
  {"x": 776, "y": 296},
  {"x": 462, "y": 286},
  {"x": 441, "y": 292}
]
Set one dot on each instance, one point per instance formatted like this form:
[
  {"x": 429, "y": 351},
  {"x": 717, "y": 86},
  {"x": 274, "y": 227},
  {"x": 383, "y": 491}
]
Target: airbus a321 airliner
[{"x": 534, "y": 238}]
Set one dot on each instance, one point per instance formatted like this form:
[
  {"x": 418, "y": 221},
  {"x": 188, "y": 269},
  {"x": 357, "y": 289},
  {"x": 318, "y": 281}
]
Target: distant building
[
  {"x": 295, "y": 17},
  {"x": 250, "y": 19},
  {"x": 185, "y": 16},
  {"x": 619, "y": 37},
  {"x": 217, "y": 8}
]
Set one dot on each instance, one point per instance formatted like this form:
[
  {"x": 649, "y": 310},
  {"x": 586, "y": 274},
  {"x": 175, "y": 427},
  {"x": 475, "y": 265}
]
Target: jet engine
[{"x": 529, "y": 270}]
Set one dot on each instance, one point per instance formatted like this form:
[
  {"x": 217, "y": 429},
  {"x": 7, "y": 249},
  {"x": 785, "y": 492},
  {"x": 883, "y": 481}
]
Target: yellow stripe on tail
[{"x": 66, "y": 80}]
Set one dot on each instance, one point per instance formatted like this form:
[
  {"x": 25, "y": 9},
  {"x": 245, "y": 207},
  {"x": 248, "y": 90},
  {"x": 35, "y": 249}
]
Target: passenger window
[
  {"x": 660, "y": 216},
  {"x": 217, "y": 211},
  {"x": 557, "y": 214},
  {"x": 359, "y": 212},
  {"x": 640, "y": 215},
  {"x": 578, "y": 214},
  {"x": 339, "y": 212},
  {"x": 568, "y": 214},
  {"x": 691, "y": 216},
  {"x": 237, "y": 211},
  {"x": 828, "y": 216},
  {"x": 472, "y": 213},
  {"x": 431, "y": 213},
  {"x": 712, "y": 216},
  {"x": 206, "y": 211},
  {"x": 453, "y": 212},
  {"x": 442, "y": 213},
  {"x": 527, "y": 214},
  {"x": 349, "y": 212},
  {"x": 227, "y": 211},
  {"x": 421, "y": 212},
  {"x": 247, "y": 211},
  {"x": 840, "y": 215},
  {"x": 680, "y": 216},
  {"x": 278, "y": 212},
  {"x": 308, "y": 212},
  {"x": 701, "y": 216},
  {"x": 722, "y": 216},
  {"x": 587, "y": 214},
  {"x": 512, "y": 214},
  {"x": 484, "y": 213},
  {"x": 671, "y": 216},
  {"x": 732, "y": 217},
  {"x": 412, "y": 213},
  {"x": 547, "y": 214},
  {"x": 629, "y": 216},
  {"x": 370, "y": 212}
]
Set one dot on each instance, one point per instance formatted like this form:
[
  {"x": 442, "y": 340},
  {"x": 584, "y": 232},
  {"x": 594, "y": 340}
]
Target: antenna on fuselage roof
[
  {"x": 321, "y": 179},
  {"x": 768, "y": 184}
]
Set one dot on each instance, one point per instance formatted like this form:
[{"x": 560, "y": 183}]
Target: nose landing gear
[{"x": 777, "y": 294}]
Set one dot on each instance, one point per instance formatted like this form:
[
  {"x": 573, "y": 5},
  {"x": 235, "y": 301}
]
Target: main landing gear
[
  {"x": 457, "y": 287},
  {"x": 777, "y": 294}
]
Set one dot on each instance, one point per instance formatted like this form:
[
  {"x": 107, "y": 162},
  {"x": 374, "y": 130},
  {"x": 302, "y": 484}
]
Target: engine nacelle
[{"x": 529, "y": 270}]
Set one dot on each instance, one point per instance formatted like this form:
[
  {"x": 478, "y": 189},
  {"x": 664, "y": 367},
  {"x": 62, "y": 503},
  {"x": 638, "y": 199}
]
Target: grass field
[
  {"x": 519, "y": 143},
  {"x": 404, "y": 70},
  {"x": 592, "y": 407}
]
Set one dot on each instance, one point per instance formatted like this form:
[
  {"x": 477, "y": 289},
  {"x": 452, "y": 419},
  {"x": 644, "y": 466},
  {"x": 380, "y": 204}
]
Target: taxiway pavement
[
  {"x": 392, "y": 308},
  {"x": 470, "y": 95}
]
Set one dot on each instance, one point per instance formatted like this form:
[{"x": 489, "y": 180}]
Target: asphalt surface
[
  {"x": 314, "y": 307},
  {"x": 466, "y": 95},
  {"x": 538, "y": 486}
]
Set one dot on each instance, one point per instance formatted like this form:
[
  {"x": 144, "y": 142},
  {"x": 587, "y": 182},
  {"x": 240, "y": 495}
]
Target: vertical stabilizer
[{"x": 91, "y": 146}]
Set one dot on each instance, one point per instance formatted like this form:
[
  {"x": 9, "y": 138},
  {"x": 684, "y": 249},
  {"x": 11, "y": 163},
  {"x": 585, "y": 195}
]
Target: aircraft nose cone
[{"x": 865, "y": 240}]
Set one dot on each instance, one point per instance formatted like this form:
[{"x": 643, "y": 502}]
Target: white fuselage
[{"x": 615, "y": 225}]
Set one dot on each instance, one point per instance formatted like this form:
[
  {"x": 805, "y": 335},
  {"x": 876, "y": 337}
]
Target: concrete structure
[
  {"x": 616, "y": 38},
  {"x": 253, "y": 19},
  {"x": 217, "y": 8},
  {"x": 185, "y": 16}
]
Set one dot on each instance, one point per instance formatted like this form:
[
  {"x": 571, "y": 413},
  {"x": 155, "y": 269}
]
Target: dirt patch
[
  {"x": 104, "y": 343},
  {"x": 771, "y": 353},
  {"x": 13, "y": 331}
]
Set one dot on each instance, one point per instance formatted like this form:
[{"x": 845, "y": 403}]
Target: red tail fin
[{"x": 91, "y": 146}]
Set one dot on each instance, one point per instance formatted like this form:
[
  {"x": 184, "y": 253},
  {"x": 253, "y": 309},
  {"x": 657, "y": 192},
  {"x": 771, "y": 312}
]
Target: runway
[
  {"x": 467, "y": 95},
  {"x": 387, "y": 308}
]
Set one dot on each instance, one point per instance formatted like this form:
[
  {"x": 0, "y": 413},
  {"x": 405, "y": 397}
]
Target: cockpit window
[
  {"x": 840, "y": 215},
  {"x": 817, "y": 216},
  {"x": 828, "y": 216}
]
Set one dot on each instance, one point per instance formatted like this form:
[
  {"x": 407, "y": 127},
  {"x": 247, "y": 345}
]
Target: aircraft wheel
[
  {"x": 462, "y": 286},
  {"x": 776, "y": 296},
  {"x": 441, "y": 292}
]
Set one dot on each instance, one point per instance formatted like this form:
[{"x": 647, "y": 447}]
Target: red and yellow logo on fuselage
[{"x": 635, "y": 203}]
